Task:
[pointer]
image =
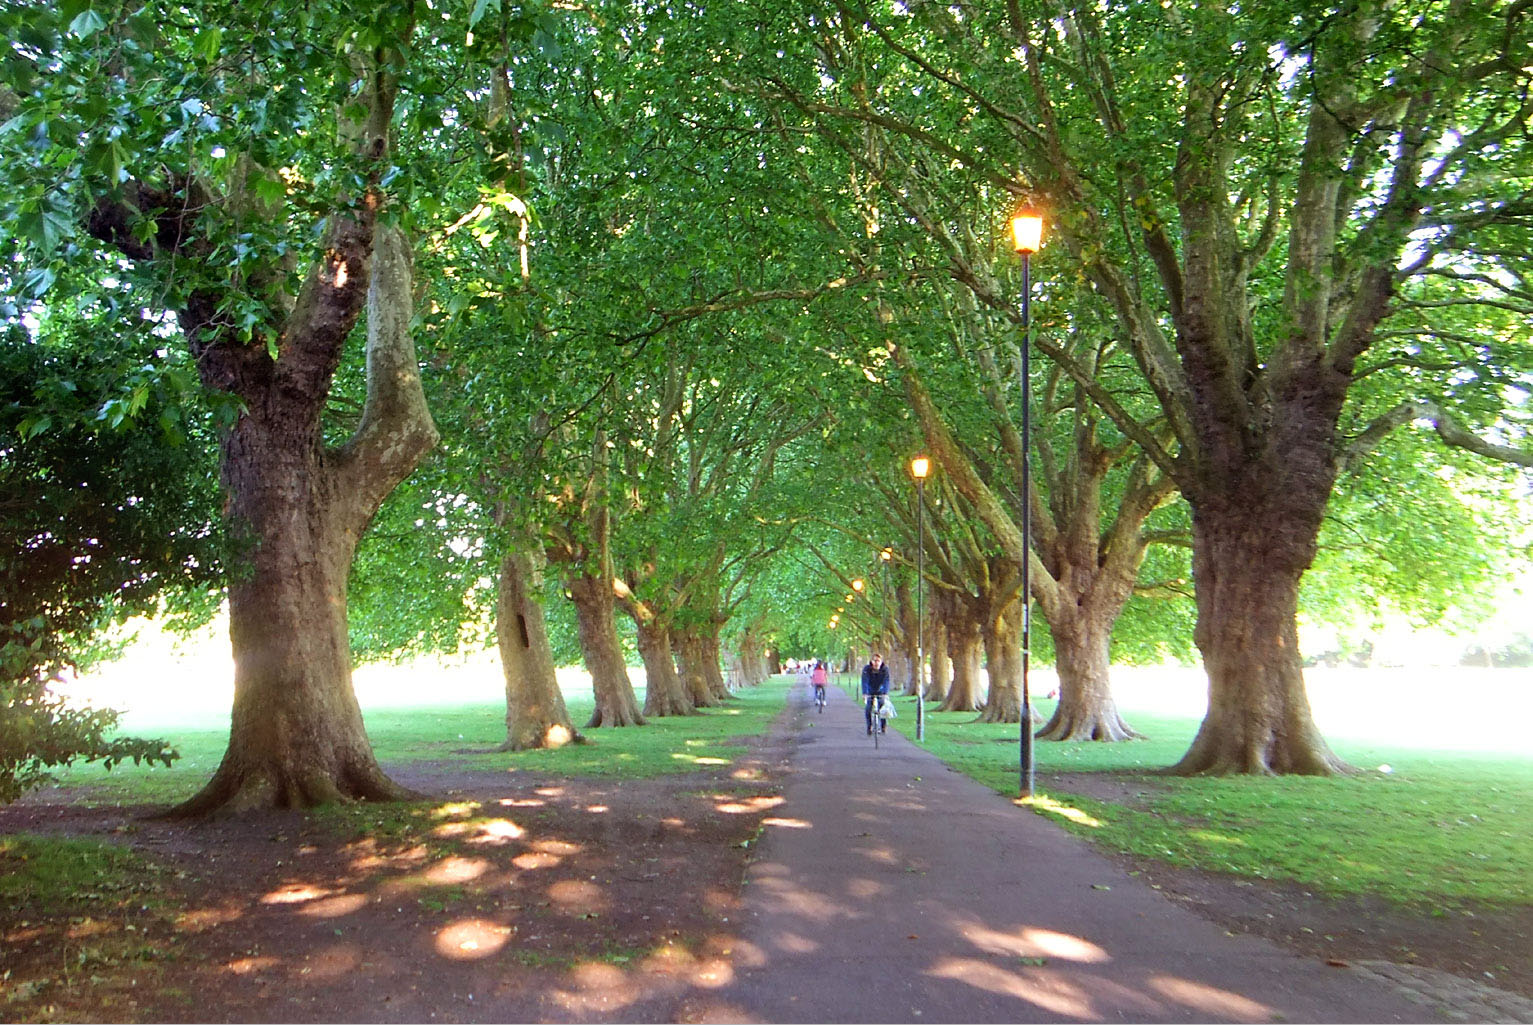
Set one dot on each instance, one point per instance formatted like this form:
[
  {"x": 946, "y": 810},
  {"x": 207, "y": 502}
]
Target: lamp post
[
  {"x": 1027, "y": 236},
  {"x": 883, "y": 601},
  {"x": 920, "y": 466}
]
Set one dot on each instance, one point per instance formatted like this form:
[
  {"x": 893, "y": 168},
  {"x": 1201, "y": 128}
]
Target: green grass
[
  {"x": 1437, "y": 828},
  {"x": 52, "y": 876},
  {"x": 467, "y": 735}
]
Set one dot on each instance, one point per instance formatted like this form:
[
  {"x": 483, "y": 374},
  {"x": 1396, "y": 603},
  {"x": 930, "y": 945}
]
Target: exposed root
[
  {"x": 613, "y": 717},
  {"x": 1207, "y": 758},
  {"x": 1099, "y": 727},
  {"x": 234, "y": 789}
]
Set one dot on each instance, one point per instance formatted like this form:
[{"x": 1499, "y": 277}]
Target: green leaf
[
  {"x": 481, "y": 8},
  {"x": 37, "y": 282},
  {"x": 87, "y": 23}
]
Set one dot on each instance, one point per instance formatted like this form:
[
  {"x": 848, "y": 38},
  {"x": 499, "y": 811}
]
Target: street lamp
[
  {"x": 1027, "y": 236},
  {"x": 920, "y": 466}
]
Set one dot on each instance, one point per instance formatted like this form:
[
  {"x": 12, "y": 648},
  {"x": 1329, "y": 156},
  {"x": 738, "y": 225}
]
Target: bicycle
[
  {"x": 819, "y": 696},
  {"x": 880, "y": 724}
]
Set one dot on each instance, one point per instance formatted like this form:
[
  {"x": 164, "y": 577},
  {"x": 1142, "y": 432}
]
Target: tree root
[
  {"x": 612, "y": 717},
  {"x": 234, "y": 789},
  {"x": 1099, "y": 727}
]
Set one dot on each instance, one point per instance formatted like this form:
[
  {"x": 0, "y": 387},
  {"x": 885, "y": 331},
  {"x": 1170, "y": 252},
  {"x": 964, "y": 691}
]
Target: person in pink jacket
[{"x": 818, "y": 678}]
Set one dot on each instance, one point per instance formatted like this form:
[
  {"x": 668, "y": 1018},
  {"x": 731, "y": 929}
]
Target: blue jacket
[{"x": 875, "y": 681}]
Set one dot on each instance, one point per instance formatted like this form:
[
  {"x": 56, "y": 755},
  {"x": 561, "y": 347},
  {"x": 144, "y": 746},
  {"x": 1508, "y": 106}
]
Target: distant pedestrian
[{"x": 875, "y": 687}]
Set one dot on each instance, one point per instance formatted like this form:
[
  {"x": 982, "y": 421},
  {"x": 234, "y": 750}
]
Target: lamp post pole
[
  {"x": 1027, "y": 231},
  {"x": 919, "y": 467},
  {"x": 883, "y": 601}
]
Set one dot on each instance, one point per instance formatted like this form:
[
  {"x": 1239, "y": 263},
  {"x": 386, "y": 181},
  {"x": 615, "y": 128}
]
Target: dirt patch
[
  {"x": 515, "y": 897},
  {"x": 1489, "y": 945}
]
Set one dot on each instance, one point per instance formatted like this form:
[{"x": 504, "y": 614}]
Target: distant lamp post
[
  {"x": 1027, "y": 237},
  {"x": 920, "y": 467},
  {"x": 883, "y": 600}
]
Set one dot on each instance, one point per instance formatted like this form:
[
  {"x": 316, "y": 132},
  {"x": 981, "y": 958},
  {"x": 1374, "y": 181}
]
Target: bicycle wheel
[{"x": 876, "y": 730}]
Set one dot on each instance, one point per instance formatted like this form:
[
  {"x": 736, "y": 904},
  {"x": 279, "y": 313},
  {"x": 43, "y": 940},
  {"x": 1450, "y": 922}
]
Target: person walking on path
[{"x": 875, "y": 685}]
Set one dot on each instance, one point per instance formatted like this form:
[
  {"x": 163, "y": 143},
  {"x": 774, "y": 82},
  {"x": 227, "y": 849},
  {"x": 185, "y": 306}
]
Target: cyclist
[
  {"x": 875, "y": 685},
  {"x": 818, "y": 678}
]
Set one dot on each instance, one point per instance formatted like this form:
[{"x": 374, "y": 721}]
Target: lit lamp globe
[
  {"x": 920, "y": 467},
  {"x": 1027, "y": 231}
]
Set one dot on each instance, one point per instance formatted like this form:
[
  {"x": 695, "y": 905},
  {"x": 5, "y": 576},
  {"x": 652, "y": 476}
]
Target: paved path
[{"x": 887, "y": 888}]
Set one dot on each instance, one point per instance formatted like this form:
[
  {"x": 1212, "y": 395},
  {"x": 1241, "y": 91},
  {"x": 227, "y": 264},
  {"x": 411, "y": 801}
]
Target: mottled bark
[
  {"x": 1086, "y": 709},
  {"x": 616, "y": 702},
  {"x": 1247, "y": 567},
  {"x": 1003, "y": 656},
  {"x": 664, "y": 692},
  {"x": 965, "y": 645},
  {"x": 692, "y": 659},
  {"x": 941, "y": 665},
  {"x": 536, "y": 715},
  {"x": 712, "y": 665},
  {"x": 296, "y": 737}
]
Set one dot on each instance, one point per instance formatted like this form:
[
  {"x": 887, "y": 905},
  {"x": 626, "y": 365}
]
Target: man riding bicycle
[
  {"x": 875, "y": 686},
  {"x": 818, "y": 678}
]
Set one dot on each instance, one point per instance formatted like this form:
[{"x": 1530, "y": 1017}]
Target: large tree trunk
[
  {"x": 296, "y": 737},
  {"x": 616, "y": 703},
  {"x": 664, "y": 692},
  {"x": 964, "y": 643},
  {"x": 692, "y": 659},
  {"x": 535, "y": 712},
  {"x": 1086, "y": 709},
  {"x": 1246, "y": 567},
  {"x": 1003, "y": 654}
]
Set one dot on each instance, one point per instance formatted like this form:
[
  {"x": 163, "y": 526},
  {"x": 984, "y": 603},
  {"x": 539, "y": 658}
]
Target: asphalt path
[{"x": 887, "y": 888}]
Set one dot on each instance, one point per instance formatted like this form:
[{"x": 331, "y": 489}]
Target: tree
[{"x": 214, "y": 213}]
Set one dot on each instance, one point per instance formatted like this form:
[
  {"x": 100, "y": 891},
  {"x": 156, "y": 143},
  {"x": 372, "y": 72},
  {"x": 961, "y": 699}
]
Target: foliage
[{"x": 106, "y": 515}]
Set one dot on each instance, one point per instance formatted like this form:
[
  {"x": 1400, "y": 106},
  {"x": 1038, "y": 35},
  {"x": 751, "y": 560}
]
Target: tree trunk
[
  {"x": 964, "y": 643},
  {"x": 664, "y": 692},
  {"x": 1086, "y": 709},
  {"x": 616, "y": 703},
  {"x": 1003, "y": 654},
  {"x": 535, "y": 712},
  {"x": 296, "y": 737},
  {"x": 690, "y": 658},
  {"x": 1246, "y": 567},
  {"x": 712, "y": 671},
  {"x": 942, "y": 668}
]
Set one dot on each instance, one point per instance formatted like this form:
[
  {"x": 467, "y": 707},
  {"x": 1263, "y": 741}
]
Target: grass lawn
[
  {"x": 467, "y": 736},
  {"x": 1414, "y": 825}
]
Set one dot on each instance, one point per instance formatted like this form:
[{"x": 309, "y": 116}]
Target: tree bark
[
  {"x": 690, "y": 655},
  {"x": 664, "y": 692},
  {"x": 1003, "y": 655},
  {"x": 616, "y": 703},
  {"x": 1247, "y": 566},
  {"x": 536, "y": 715},
  {"x": 1086, "y": 709},
  {"x": 712, "y": 669},
  {"x": 942, "y": 667},
  {"x": 964, "y": 643},
  {"x": 296, "y": 737}
]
